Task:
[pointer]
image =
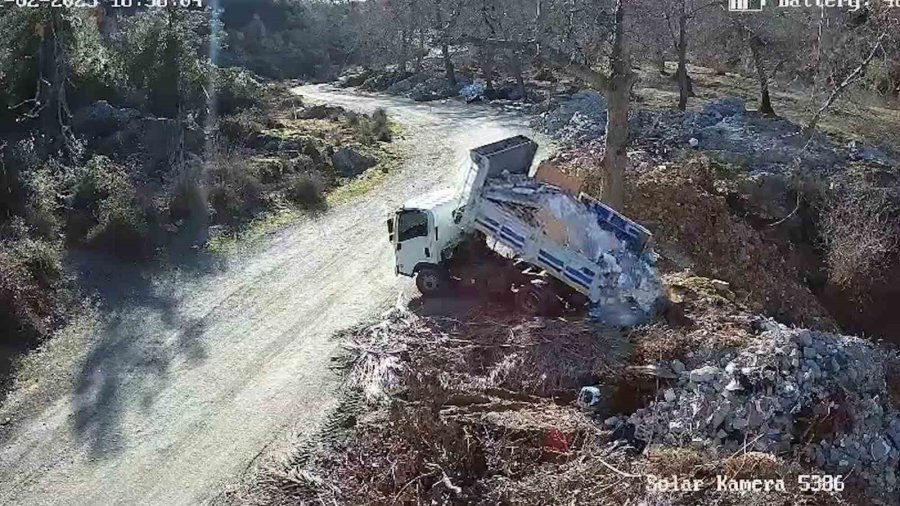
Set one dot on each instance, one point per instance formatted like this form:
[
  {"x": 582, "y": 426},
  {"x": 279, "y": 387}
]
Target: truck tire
[
  {"x": 535, "y": 300},
  {"x": 431, "y": 281}
]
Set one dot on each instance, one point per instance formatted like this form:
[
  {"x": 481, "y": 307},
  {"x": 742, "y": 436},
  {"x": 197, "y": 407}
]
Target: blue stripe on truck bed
[
  {"x": 573, "y": 276},
  {"x": 512, "y": 233},
  {"x": 512, "y": 240},
  {"x": 582, "y": 278},
  {"x": 486, "y": 225},
  {"x": 550, "y": 259}
]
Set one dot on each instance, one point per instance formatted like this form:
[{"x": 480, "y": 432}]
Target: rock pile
[
  {"x": 820, "y": 396},
  {"x": 579, "y": 118},
  {"x": 128, "y": 133},
  {"x": 762, "y": 144}
]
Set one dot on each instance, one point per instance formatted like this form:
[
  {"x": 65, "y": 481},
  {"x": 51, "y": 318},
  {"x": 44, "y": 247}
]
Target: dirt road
[{"x": 189, "y": 373}]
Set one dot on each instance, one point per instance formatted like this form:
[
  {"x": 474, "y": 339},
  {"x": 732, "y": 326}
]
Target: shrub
[
  {"x": 237, "y": 89},
  {"x": 43, "y": 188},
  {"x": 860, "y": 228},
  {"x": 187, "y": 198},
  {"x": 29, "y": 269},
  {"x": 371, "y": 129},
  {"x": 104, "y": 212},
  {"x": 380, "y": 126},
  {"x": 41, "y": 259},
  {"x": 244, "y": 128},
  {"x": 307, "y": 190},
  {"x": 233, "y": 189}
]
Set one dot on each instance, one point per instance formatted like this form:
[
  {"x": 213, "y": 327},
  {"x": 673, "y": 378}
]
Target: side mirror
[{"x": 390, "y": 225}]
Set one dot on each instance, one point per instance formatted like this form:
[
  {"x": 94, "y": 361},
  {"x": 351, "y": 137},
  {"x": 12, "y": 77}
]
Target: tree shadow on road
[{"x": 144, "y": 331}]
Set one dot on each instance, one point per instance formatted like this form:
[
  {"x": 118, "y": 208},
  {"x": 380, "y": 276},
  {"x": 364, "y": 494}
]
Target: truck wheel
[
  {"x": 535, "y": 300},
  {"x": 431, "y": 281}
]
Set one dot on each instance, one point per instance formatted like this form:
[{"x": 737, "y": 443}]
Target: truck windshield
[{"x": 412, "y": 224}]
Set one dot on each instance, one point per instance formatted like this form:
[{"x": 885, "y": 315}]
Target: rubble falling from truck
[{"x": 631, "y": 290}]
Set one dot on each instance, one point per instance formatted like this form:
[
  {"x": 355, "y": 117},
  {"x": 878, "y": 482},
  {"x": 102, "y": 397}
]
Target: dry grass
[
  {"x": 858, "y": 116},
  {"x": 860, "y": 227}
]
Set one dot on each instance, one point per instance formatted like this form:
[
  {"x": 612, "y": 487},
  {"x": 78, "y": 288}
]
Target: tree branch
[
  {"x": 851, "y": 78},
  {"x": 595, "y": 79}
]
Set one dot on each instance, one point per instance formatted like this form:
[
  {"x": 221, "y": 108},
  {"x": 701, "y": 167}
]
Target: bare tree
[
  {"x": 678, "y": 16},
  {"x": 855, "y": 76},
  {"x": 847, "y": 45},
  {"x": 443, "y": 27},
  {"x": 618, "y": 94},
  {"x": 756, "y": 50}
]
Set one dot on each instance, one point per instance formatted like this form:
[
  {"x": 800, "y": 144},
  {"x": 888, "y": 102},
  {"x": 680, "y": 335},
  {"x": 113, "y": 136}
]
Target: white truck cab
[
  {"x": 426, "y": 230},
  {"x": 423, "y": 234}
]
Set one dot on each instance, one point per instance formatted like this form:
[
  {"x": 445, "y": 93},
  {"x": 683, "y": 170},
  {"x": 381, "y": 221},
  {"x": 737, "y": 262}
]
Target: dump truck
[{"x": 503, "y": 231}]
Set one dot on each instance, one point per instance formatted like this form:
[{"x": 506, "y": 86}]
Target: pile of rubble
[
  {"x": 579, "y": 118},
  {"x": 762, "y": 144},
  {"x": 631, "y": 283},
  {"x": 788, "y": 391}
]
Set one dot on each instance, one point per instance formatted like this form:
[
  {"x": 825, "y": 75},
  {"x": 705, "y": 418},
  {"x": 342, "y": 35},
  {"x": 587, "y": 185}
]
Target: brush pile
[{"x": 542, "y": 357}]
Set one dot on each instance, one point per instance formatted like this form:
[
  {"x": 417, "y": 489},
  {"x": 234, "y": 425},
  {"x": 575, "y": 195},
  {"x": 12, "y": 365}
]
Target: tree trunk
[
  {"x": 445, "y": 48},
  {"x": 448, "y": 65},
  {"x": 520, "y": 82},
  {"x": 404, "y": 50},
  {"x": 516, "y": 67},
  {"x": 618, "y": 96},
  {"x": 487, "y": 69},
  {"x": 765, "y": 101},
  {"x": 420, "y": 51},
  {"x": 615, "y": 158},
  {"x": 684, "y": 84}
]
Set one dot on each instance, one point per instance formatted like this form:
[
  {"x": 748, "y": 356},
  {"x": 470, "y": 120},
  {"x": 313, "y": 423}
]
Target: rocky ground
[{"x": 481, "y": 408}]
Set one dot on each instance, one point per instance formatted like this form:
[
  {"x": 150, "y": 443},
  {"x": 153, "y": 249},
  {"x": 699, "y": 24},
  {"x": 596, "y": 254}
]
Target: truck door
[{"x": 413, "y": 240}]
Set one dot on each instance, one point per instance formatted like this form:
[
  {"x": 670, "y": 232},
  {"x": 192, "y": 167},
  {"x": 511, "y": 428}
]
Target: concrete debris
[
  {"x": 703, "y": 374},
  {"x": 762, "y": 144},
  {"x": 418, "y": 87},
  {"x": 355, "y": 76},
  {"x": 632, "y": 287},
  {"x": 473, "y": 91},
  {"x": 820, "y": 396},
  {"x": 579, "y": 118},
  {"x": 590, "y": 398},
  {"x": 435, "y": 88}
]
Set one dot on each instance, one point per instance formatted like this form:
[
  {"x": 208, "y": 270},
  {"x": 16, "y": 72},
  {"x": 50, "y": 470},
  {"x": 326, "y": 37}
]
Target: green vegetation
[
  {"x": 287, "y": 39},
  {"x": 119, "y": 132}
]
